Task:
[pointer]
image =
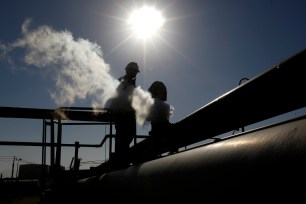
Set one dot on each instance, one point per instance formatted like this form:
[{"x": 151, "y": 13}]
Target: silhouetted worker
[
  {"x": 159, "y": 116},
  {"x": 124, "y": 115}
]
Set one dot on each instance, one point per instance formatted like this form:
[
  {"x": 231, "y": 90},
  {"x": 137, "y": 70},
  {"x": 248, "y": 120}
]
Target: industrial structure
[{"x": 266, "y": 163}]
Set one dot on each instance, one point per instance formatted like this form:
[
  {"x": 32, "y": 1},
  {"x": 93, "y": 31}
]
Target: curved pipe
[
  {"x": 264, "y": 164},
  {"x": 241, "y": 80}
]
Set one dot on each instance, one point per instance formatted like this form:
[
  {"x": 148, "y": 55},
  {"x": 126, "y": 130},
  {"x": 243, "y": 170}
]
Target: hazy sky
[{"x": 69, "y": 53}]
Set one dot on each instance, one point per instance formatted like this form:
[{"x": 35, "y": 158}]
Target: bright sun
[{"x": 146, "y": 21}]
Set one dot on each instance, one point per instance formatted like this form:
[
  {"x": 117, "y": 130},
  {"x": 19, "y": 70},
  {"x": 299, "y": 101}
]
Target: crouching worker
[{"x": 160, "y": 113}]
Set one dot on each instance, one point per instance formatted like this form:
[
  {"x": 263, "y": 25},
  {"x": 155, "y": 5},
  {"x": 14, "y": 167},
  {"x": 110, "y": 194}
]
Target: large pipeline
[
  {"x": 279, "y": 90},
  {"x": 276, "y": 91},
  {"x": 267, "y": 164}
]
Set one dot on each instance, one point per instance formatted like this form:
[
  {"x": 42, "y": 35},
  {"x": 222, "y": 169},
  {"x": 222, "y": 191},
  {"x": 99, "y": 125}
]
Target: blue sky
[{"x": 202, "y": 51}]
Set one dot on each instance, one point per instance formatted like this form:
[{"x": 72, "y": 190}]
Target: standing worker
[{"x": 124, "y": 115}]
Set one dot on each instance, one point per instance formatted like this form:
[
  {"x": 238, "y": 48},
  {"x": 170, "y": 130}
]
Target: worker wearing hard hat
[
  {"x": 159, "y": 116},
  {"x": 124, "y": 115}
]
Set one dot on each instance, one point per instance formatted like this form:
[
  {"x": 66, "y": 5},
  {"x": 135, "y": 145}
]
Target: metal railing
[
  {"x": 51, "y": 118},
  {"x": 55, "y": 117}
]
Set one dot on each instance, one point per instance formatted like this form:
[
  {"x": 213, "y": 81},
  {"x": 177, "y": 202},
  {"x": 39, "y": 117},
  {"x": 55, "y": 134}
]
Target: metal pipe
[
  {"x": 263, "y": 164},
  {"x": 274, "y": 92},
  {"x": 52, "y": 142},
  {"x": 76, "y": 159},
  {"x": 59, "y": 142}
]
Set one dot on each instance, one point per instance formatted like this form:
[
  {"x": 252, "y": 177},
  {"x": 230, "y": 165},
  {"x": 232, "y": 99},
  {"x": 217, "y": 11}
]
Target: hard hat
[
  {"x": 132, "y": 66},
  {"x": 158, "y": 90}
]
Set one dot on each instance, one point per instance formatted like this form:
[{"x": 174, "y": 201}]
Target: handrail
[
  {"x": 51, "y": 117},
  {"x": 48, "y": 144}
]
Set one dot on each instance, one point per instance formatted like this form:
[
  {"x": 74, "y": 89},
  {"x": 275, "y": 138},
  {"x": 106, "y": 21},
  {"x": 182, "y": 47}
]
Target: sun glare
[{"x": 146, "y": 22}]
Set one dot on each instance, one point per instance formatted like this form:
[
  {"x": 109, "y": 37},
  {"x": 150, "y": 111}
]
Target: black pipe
[
  {"x": 274, "y": 92},
  {"x": 263, "y": 164}
]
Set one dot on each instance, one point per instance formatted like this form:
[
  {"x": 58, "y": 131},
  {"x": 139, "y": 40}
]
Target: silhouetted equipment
[
  {"x": 279, "y": 90},
  {"x": 63, "y": 113},
  {"x": 263, "y": 164},
  {"x": 88, "y": 116}
]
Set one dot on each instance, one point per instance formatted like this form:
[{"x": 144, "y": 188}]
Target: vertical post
[
  {"x": 52, "y": 145},
  {"x": 13, "y": 168},
  {"x": 59, "y": 144},
  {"x": 43, "y": 148},
  {"x": 17, "y": 168},
  {"x": 110, "y": 139},
  {"x": 76, "y": 159},
  {"x": 43, "y": 156}
]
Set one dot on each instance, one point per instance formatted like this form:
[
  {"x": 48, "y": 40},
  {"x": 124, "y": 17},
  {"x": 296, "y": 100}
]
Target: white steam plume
[
  {"x": 77, "y": 66},
  {"x": 142, "y": 102}
]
